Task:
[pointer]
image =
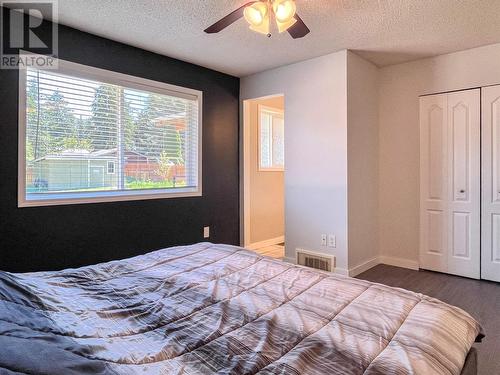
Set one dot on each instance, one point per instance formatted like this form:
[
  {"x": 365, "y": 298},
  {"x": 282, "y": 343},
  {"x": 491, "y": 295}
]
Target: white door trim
[{"x": 245, "y": 208}]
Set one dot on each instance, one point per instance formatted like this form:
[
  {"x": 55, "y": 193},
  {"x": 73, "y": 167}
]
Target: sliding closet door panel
[
  {"x": 464, "y": 183},
  {"x": 436, "y": 162},
  {"x": 461, "y": 246},
  {"x": 490, "y": 264},
  {"x": 433, "y": 182},
  {"x": 494, "y": 254},
  {"x": 460, "y": 137}
]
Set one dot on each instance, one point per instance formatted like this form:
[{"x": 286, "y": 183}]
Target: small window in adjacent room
[
  {"x": 271, "y": 139},
  {"x": 90, "y": 135}
]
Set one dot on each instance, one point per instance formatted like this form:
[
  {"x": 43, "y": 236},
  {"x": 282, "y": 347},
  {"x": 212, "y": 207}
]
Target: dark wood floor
[{"x": 481, "y": 299}]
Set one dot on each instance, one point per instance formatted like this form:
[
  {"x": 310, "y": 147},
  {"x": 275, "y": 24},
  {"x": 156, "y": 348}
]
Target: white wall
[
  {"x": 400, "y": 87},
  {"x": 362, "y": 158},
  {"x": 331, "y": 112},
  {"x": 315, "y": 148}
]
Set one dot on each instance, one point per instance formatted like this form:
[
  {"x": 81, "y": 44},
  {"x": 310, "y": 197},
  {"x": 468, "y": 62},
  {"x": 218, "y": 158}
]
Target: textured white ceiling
[{"x": 383, "y": 31}]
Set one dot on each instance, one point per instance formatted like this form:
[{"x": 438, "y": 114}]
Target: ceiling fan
[{"x": 259, "y": 13}]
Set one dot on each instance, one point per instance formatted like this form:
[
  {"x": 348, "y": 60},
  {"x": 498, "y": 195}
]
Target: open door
[{"x": 264, "y": 175}]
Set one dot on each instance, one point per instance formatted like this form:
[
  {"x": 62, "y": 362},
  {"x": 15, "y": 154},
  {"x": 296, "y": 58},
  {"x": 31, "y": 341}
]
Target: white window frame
[
  {"x": 106, "y": 76},
  {"x": 114, "y": 167},
  {"x": 275, "y": 113}
]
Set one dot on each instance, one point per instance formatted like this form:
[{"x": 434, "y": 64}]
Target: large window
[
  {"x": 90, "y": 135},
  {"x": 271, "y": 139}
]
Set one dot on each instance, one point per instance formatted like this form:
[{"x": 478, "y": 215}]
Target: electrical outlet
[
  {"x": 323, "y": 240},
  {"x": 206, "y": 232},
  {"x": 332, "y": 240}
]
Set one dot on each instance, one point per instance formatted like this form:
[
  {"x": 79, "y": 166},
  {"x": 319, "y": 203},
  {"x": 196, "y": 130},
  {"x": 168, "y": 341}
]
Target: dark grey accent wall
[{"x": 56, "y": 237}]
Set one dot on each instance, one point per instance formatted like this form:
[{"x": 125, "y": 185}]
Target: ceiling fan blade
[
  {"x": 228, "y": 20},
  {"x": 299, "y": 29}
]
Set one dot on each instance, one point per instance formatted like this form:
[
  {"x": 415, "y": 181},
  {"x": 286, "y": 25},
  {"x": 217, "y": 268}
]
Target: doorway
[{"x": 263, "y": 184}]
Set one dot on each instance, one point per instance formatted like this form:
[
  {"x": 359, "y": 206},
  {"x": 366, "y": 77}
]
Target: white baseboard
[
  {"x": 400, "y": 262},
  {"x": 341, "y": 271},
  {"x": 270, "y": 242},
  {"x": 365, "y": 266},
  {"x": 390, "y": 261}
]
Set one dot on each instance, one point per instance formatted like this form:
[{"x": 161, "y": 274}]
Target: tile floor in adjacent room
[{"x": 274, "y": 251}]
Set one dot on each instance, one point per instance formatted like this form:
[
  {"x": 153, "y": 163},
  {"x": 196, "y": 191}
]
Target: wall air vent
[{"x": 318, "y": 261}]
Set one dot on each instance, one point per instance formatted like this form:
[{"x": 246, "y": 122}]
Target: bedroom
[{"x": 125, "y": 135}]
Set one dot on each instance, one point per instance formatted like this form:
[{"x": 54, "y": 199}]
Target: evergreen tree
[
  {"x": 154, "y": 139},
  {"x": 49, "y": 120},
  {"x": 130, "y": 124},
  {"x": 31, "y": 118},
  {"x": 104, "y": 121},
  {"x": 57, "y": 122}
]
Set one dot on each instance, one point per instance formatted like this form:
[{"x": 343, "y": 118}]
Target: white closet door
[
  {"x": 433, "y": 186},
  {"x": 490, "y": 264},
  {"x": 464, "y": 183}
]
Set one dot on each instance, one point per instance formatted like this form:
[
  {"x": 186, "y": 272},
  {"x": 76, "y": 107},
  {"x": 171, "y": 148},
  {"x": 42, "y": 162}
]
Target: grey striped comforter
[{"x": 207, "y": 309}]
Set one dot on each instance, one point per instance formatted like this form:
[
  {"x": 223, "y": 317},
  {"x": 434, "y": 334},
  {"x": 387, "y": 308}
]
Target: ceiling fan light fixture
[
  {"x": 263, "y": 28},
  {"x": 284, "y": 26},
  {"x": 256, "y": 13},
  {"x": 257, "y": 16},
  {"x": 284, "y": 10}
]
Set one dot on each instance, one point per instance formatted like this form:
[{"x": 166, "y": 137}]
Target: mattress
[{"x": 219, "y": 309}]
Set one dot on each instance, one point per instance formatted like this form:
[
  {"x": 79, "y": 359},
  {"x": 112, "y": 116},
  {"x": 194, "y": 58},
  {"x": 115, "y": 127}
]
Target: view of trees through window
[{"x": 77, "y": 128}]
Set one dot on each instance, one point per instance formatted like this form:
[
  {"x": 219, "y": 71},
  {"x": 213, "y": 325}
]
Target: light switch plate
[
  {"x": 323, "y": 240},
  {"x": 206, "y": 232},
  {"x": 332, "y": 240}
]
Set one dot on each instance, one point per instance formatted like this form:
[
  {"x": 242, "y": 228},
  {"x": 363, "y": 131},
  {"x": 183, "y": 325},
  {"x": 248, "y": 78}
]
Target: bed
[{"x": 207, "y": 309}]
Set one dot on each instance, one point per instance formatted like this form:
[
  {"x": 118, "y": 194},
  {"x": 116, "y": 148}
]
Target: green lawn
[
  {"x": 140, "y": 185},
  {"x": 129, "y": 185}
]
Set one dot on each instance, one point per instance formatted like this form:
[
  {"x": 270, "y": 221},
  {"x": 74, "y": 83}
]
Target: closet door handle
[{"x": 462, "y": 191}]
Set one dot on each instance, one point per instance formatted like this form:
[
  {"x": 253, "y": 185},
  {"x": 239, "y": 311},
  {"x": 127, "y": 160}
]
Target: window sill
[
  {"x": 58, "y": 199},
  {"x": 261, "y": 169}
]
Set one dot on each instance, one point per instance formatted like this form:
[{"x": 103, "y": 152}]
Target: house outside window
[{"x": 90, "y": 135}]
